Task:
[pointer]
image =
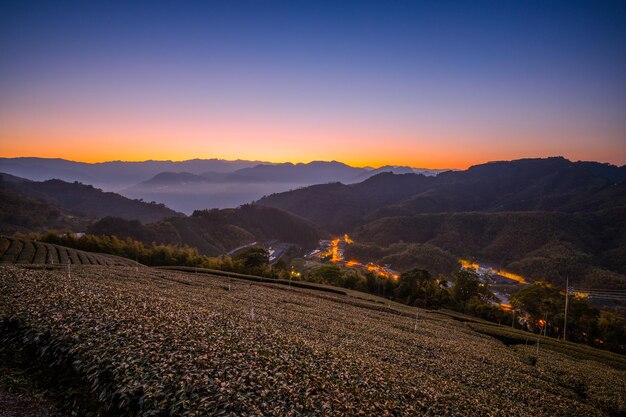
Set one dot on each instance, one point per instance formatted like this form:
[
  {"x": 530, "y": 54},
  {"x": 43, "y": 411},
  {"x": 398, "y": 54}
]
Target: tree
[
  {"x": 612, "y": 331},
  {"x": 412, "y": 286},
  {"x": 544, "y": 304},
  {"x": 328, "y": 274},
  {"x": 537, "y": 299},
  {"x": 418, "y": 287},
  {"x": 468, "y": 286},
  {"x": 253, "y": 260}
]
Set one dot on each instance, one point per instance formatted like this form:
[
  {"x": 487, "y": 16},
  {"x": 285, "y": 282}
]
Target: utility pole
[
  {"x": 566, "y": 302},
  {"x": 251, "y": 306},
  {"x": 417, "y": 313}
]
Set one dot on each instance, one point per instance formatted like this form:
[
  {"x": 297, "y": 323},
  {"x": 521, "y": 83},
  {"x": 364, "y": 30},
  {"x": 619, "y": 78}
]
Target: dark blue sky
[{"x": 502, "y": 79}]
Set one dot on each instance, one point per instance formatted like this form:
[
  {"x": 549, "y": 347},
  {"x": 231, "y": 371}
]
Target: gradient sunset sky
[{"x": 428, "y": 84}]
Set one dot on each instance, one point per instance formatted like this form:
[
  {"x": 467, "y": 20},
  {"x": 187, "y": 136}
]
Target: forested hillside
[
  {"x": 215, "y": 232},
  {"x": 586, "y": 247},
  {"x": 552, "y": 184},
  {"x": 545, "y": 218},
  {"x": 21, "y": 213},
  {"x": 84, "y": 200}
]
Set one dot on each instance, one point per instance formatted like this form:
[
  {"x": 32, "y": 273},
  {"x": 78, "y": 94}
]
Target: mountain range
[
  {"x": 114, "y": 175},
  {"x": 546, "y": 218},
  {"x": 551, "y": 184},
  {"x": 196, "y": 184},
  {"x": 38, "y": 206}
]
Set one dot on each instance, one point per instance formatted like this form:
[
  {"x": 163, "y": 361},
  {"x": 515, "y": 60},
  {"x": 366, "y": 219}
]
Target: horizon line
[{"x": 260, "y": 162}]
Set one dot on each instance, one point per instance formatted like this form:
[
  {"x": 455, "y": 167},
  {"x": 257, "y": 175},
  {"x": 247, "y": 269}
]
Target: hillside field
[
  {"x": 163, "y": 343},
  {"x": 24, "y": 251}
]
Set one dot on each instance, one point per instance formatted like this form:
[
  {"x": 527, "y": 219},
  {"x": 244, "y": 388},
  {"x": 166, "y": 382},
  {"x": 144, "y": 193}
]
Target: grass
[{"x": 161, "y": 343}]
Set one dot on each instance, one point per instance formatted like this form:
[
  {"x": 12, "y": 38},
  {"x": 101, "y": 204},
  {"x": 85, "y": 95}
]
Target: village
[{"x": 334, "y": 251}]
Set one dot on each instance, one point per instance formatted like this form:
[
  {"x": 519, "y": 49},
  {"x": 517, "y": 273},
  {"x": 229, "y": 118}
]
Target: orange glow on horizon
[
  {"x": 80, "y": 154},
  {"x": 88, "y": 141}
]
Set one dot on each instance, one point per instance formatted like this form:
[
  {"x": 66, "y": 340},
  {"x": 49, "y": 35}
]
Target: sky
[{"x": 443, "y": 84}]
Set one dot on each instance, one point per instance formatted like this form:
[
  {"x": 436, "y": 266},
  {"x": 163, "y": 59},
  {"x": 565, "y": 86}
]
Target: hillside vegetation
[
  {"x": 20, "y": 213},
  {"x": 552, "y": 184},
  {"x": 587, "y": 248},
  {"x": 215, "y": 232},
  {"x": 165, "y": 343},
  {"x": 84, "y": 200},
  {"x": 544, "y": 218}
]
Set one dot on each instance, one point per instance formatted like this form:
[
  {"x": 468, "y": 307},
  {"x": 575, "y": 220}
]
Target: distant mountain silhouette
[
  {"x": 85, "y": 200},
  {"x": 398, "y": 170},
  {"x": 111, "y": 176},
  {"x": 186, "y": 191},
  {"x": 315, "y": 172},
  {"x": 195, "y": 184}
]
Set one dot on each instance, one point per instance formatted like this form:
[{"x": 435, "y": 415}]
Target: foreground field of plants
[
  {"x": 164, "y": 343},
  {"x": 25, "y": 251}
]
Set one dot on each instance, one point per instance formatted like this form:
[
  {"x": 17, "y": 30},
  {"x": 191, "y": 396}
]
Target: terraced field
[
  {"x": 21, "y": 251},
  {"x": 164, "y": 343}
]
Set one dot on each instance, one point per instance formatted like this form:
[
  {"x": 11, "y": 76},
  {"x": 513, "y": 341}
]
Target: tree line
[{"x": 537, "y": 308}]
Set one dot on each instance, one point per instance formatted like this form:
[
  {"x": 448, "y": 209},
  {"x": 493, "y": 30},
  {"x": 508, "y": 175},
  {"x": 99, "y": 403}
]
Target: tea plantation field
[
  {"x": 22, "y": 251},
  {"x": 163, "y": 343}
]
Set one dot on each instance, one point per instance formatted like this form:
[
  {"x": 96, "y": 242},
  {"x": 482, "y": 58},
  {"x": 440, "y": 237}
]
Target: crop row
[
  {"x": 518, "y": 337},
  {"x": 21, "y": 251},
  {"x": 169, "y": 343}
]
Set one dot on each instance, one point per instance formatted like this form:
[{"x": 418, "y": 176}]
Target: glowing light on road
[
  {"x": 467, "y": 264},
  {"x": 336, "y": 256}
]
